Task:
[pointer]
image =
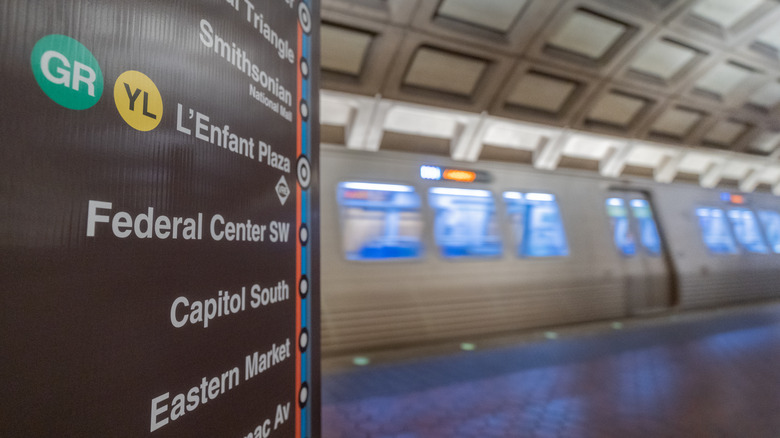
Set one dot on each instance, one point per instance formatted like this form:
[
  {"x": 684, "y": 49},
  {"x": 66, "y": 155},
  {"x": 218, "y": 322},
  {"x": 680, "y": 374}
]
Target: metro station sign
[{"x": 159, "y": 239}]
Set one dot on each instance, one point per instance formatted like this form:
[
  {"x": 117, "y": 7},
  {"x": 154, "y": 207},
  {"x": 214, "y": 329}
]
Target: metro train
[{"x": 419, "y": 249}]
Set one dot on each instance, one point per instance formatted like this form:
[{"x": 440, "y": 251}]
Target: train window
[
  {"x": 465, "y": 223},
  {"x": 648, "y": 232},
  {"x": 621, "y": 231},
  {"x": 771, "y": 222},
  {"x": 715, "y": 231},
  {"x": 536, "y": 224},
  {"x": 746, "y": 230},
  {"x": 380, "y": 221}
]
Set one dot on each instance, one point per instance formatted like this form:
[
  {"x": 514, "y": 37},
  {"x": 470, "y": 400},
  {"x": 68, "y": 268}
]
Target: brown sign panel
[{"x": 159, "y": 233}]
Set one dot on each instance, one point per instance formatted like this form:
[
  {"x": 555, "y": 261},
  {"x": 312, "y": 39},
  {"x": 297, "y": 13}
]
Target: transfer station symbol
[
  {"x": 67, "y": 72},
  {"x": 138, "y": 100},
  {"x": 282, "y": 190}
]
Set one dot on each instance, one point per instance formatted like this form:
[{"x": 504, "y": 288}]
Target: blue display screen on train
[
  {"x": 380, "y": 221},
  {"x": 536, "y": 224},
  {"x": 465, "y": 222}
]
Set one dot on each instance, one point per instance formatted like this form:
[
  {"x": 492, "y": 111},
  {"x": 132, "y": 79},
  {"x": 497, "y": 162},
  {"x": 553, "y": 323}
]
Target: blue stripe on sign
[
  {"x": 304, "y": 367},
  {"x": 305, "y": 135},
  {"x": 305, "y": 138},
  {"x": 305, "y": 416},
  {"x": 304, "y": 308},
  {"x": 305, "y": 209}
]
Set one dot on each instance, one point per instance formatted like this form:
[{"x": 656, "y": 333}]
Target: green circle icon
[{"x": 67, "y": 72}]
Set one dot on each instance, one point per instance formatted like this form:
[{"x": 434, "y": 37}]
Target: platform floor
[{"x": 708, "y": 374}]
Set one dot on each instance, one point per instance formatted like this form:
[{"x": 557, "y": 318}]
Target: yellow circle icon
[{"x": 138, "y": 100}]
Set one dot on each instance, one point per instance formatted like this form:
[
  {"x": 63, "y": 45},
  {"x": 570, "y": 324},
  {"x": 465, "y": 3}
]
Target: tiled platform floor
[{"x": 711, "y": 376}]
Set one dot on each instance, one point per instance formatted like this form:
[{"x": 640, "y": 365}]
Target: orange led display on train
[{"x": 459, "y": 175}]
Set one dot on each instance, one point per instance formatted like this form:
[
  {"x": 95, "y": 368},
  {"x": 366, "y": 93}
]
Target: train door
[{"x": 644, "y": 258}]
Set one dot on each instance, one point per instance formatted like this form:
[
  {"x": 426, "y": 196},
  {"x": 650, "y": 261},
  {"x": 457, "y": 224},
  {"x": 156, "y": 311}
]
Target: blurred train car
[{"x": 418, "y": 249}]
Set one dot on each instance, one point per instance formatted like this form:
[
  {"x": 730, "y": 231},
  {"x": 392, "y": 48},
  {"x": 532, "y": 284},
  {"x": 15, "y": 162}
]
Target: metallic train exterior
[{"x": 384, "y": 304}]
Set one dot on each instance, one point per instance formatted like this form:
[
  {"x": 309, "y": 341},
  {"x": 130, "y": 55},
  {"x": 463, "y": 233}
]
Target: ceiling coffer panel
[
  {"x": 505, "y": 26},
  {"x": 545, "y": 94},
  {"x": 588, "y": 37},
  {"x": 726, "y": 133},
  {"x": 442, "y": 71},
  {"x": 722, "y": 21},
  {"x": 344, "y": 50},
  {"x": 432, "y": 70},
  {"x": 677, "y": 122},
  {"x": 497, "y": 16},
  {"x": 618, "y": 111}
]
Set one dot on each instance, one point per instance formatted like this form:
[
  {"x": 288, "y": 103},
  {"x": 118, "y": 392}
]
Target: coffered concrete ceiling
[{"x": 676, "y": 90}]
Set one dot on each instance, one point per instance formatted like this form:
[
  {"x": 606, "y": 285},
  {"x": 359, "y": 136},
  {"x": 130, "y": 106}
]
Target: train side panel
[
  {"x": 374, "y": 305},
  {"x": 707, "y": 279},
  {"x": 371, "y": 305}
]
